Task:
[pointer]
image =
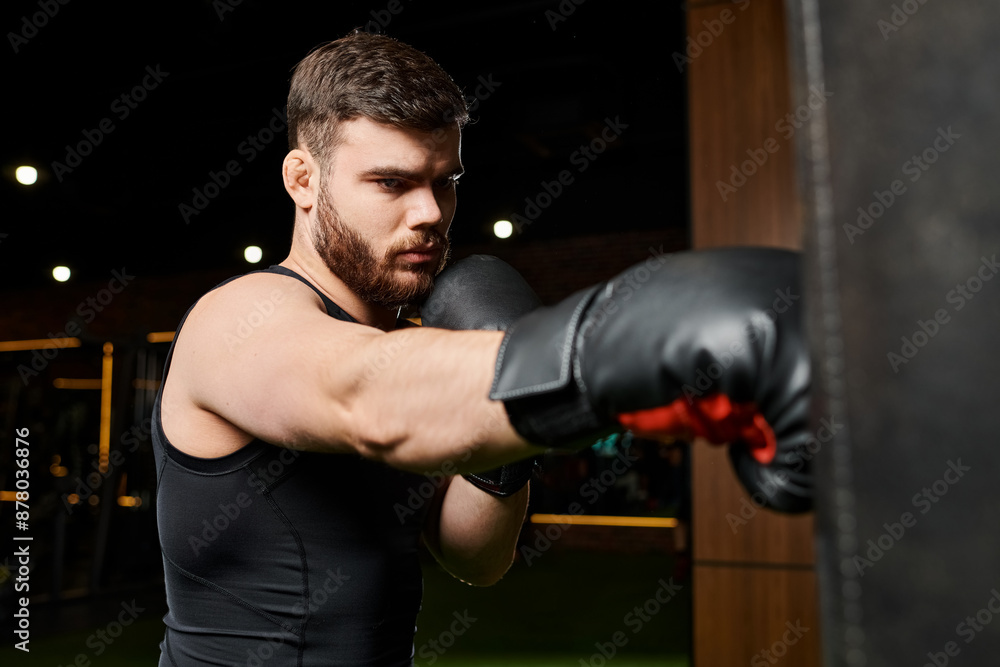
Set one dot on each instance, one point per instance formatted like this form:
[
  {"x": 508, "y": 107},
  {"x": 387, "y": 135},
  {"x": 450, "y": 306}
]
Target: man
[
  {"x": 297, "y": 415},
  {"x": 375, "y": 195}
]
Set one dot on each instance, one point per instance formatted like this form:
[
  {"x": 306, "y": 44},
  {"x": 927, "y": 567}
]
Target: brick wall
[
  {"x": 556, "y": 269},
  {"x": 156, "y": 303}
]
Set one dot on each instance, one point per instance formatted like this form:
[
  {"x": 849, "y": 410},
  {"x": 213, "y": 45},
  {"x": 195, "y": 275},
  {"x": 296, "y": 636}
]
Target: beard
[{"x": 386, "y": 281}]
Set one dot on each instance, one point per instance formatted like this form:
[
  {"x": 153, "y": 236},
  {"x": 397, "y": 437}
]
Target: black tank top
[{"x": 284, "y": 558}]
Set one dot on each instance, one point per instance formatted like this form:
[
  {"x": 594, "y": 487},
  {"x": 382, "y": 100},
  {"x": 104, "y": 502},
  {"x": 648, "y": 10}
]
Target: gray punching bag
[{"x": 900, "y": 171}]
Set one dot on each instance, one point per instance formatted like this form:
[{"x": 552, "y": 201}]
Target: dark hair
[{"x": 373, "y": 76}]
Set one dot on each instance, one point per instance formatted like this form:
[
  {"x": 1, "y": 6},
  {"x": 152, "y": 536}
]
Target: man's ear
[{"x": 301, "y": 177}]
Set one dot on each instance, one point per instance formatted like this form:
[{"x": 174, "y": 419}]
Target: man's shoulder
[
  {"x": 247, "y": 303},
  {"x": 262, "y": 291}
]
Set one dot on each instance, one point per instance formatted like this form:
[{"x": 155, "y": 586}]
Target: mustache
[{"x": 431, "y": 236}]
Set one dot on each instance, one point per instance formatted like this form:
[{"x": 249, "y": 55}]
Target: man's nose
[{"x": 424, "y": 210}]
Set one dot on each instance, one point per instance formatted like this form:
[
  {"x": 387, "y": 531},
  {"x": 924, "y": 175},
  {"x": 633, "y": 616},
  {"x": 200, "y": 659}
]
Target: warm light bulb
[
  {"x": 26, "y": 175},
  {"x": 502, "y": 229},
  {"x": 252, "y": 254}
]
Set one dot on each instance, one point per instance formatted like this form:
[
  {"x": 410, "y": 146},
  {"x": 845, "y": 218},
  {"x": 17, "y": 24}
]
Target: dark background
[{"x": 229, "y": 67}]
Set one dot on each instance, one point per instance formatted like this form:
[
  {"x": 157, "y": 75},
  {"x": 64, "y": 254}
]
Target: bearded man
[{"x": 295, "y": 454}]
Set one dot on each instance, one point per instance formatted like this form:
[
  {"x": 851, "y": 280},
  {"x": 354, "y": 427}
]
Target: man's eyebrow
[{"x": 399, "y": 172}]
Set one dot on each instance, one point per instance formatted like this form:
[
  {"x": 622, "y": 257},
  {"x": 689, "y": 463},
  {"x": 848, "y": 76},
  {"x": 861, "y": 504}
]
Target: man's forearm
[{"x": 472, "y": 533}]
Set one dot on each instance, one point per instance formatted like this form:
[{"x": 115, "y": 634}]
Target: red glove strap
[{"x": 714, "y": 418}]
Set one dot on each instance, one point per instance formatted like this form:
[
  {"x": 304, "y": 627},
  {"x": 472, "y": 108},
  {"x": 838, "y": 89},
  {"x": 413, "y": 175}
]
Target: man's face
[{"x": 384, "y": 209}]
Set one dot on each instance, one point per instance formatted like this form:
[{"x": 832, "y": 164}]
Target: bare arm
[
  {"x": 416, "y": 399},
  {"x": 472, "y": 533}
]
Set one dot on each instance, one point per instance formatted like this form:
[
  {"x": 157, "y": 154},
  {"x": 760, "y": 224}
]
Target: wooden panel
[
  {"x": 753, "y": 569},
  {"x": 738, "y": 101},
  {"x": 729, "y": 526},
  {"x": 755, "y": 617}
]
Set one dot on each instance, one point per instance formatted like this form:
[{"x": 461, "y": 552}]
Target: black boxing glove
[
  {"x": 483, "y": 292},
  {"x": 705, "y": 343}
]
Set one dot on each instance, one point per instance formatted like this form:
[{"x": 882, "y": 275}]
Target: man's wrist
[{"x": 503, "y": 481}]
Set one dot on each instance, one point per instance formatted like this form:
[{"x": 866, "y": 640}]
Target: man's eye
[
  {"x": 390, "y": 183},
  {"x": 446, "y": 182}
]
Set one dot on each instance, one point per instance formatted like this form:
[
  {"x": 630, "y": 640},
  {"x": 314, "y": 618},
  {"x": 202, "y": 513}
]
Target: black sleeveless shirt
[{"x": 282, "y": 558}]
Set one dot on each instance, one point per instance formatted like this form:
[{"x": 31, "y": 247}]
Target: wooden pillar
[{"x": 753, "y": 571}]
